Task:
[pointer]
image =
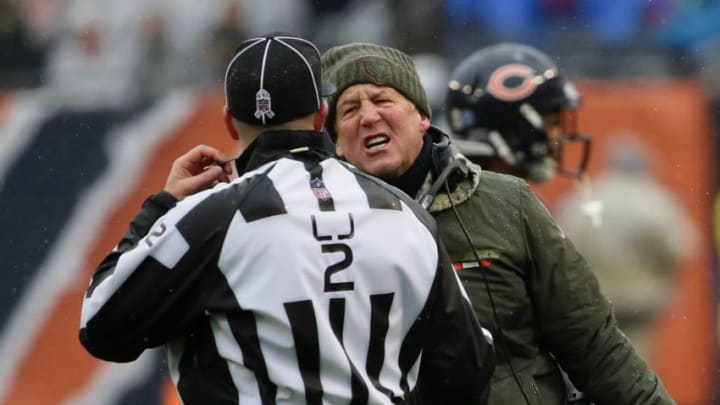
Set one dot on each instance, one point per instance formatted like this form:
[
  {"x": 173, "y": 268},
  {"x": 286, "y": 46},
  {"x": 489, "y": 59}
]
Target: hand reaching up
[{"x": 199, "y": 169}]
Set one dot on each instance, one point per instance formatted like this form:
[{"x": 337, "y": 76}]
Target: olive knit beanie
[{"x": 358, "y": 63}]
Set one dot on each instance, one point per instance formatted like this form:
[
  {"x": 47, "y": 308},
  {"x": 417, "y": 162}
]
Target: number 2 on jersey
[{"x": 339, "y": 266}]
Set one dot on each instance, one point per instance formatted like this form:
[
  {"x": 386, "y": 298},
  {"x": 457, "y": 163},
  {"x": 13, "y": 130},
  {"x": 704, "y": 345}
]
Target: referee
[{"x": 302, "y": 280}]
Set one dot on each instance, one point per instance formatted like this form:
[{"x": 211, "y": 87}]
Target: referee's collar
[{"x": 272, "y": 145}]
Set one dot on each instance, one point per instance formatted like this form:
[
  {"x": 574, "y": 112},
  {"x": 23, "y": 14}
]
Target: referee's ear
[
  {"x": 320, "y": 116},
  {"x": 229, "y": 123}
]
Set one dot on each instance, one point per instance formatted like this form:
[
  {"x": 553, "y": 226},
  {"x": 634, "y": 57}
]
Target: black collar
[
  {"x": 436, "y": 155},
  {"x": 411, "y": 181},
  {"x": 273, "y": 145}
]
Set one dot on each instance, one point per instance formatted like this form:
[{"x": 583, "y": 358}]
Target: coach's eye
[{"x": 349, "y": 110}]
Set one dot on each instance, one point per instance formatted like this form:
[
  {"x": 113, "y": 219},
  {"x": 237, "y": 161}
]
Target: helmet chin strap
[
  {"x": 531, "y": 115},
  {"x": 501, "y": 147}
]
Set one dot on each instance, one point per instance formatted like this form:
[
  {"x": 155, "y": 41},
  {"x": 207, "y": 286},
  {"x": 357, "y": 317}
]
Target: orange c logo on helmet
[{"x": 497, "y": 84}]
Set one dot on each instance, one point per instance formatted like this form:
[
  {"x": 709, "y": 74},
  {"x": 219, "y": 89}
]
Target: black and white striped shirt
[{"x": 302, "y": 281}]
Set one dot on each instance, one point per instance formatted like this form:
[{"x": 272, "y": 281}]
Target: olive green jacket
[{"x": 545, "y": 303}]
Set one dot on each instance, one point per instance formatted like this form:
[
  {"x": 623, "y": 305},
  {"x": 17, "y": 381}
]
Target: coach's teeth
[{"x": 376, "y": 140}]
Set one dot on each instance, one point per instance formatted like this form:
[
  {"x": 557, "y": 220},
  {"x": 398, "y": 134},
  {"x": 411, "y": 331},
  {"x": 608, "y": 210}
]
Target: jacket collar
[
  {"x": 462, "y": 192},
  {"x": 273, "y": 145}
]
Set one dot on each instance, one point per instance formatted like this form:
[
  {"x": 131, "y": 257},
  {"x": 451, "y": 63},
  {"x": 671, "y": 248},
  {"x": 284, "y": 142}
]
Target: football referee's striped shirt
[{"x": 302, "y": 281}]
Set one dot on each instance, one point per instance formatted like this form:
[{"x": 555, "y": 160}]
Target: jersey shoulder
[{"x": 408, "y": 201}]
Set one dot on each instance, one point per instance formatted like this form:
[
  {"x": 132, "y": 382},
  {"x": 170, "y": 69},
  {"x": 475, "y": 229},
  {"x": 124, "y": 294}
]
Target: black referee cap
[{"x": 275, "y": 79}]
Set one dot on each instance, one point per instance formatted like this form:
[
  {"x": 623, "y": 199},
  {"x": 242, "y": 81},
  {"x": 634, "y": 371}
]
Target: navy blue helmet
[{"x": 498, "y": 104}]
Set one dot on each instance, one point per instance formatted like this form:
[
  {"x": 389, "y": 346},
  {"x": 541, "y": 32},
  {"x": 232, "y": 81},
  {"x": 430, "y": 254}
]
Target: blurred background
[{"x": 97, "y": 98}]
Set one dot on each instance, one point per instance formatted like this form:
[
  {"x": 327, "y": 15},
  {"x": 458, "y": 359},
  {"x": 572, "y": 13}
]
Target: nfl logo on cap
[
  {"x": 262, "y": 103},
  {"x": 274, "y": 79}
]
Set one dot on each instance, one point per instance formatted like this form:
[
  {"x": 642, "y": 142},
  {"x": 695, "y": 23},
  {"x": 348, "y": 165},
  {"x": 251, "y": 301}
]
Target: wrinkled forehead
[{"x": 357, "y": 92}]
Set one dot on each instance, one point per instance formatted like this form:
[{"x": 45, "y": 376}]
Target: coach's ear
[{"x": 229, "y": 123}]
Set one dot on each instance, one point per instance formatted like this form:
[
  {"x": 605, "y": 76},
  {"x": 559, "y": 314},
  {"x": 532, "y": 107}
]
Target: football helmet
[{"x": 500, "y": 103}]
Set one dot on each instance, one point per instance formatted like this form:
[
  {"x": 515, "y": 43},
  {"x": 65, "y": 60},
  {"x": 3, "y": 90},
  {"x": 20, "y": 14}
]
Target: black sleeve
[
  {"x": 157, "y": 289},
  {"x": 458, "y": 357},
  {"x": 153, "y": 208}
]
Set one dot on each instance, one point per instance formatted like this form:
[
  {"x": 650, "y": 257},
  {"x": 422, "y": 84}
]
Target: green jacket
[{"x": 545, "y": 304}]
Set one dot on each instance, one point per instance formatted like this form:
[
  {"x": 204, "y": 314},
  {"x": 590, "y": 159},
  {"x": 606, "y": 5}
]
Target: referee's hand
[{"x": 198, "y": 170}]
